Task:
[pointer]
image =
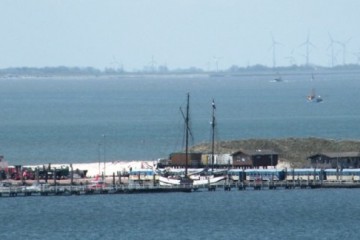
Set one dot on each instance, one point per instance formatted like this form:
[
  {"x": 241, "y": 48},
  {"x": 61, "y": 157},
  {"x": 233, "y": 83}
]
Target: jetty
[
  {"x": 46, "y": 190},
  {"x": 136, "y": 188},
  {"x": 273, "y": 185}
]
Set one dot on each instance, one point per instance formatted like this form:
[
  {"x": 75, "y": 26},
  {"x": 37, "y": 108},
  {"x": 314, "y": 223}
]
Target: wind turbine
[
  {"x": 331, "y": 46},
  {"x": 343, "y": 45},
  {"x": 273, "y": 47},
  {"x": 117, "y": 66},
  {"x": 217, "y": 59},
  {"x": 357, "y": 55},
  {"x": 307, "y": 45},
  {"x": 291, "y": 58},
  {"x": 152, "y": 64}
]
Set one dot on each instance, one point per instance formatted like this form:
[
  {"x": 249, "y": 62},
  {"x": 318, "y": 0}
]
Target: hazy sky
[{"x": 176, "y": 33}]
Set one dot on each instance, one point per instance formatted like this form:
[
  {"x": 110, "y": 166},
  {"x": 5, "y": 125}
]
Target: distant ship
[
  {"x": 313, "y": 98},
  {"x": 278, "y": 78}
]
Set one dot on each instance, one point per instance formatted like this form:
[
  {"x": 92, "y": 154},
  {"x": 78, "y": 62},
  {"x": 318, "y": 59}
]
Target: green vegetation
[{"x": 292, "y": 150}]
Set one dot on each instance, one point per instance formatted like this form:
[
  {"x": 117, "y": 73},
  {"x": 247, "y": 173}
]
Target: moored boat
[{"x": 184, "y": 177}]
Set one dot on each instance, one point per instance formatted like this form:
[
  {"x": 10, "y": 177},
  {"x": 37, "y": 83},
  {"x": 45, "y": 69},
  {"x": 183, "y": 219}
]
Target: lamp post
[
  {"x": 104, "y": 138},
  {"x": 272, "y": 173},
  {"x": 99, "y": 157}
]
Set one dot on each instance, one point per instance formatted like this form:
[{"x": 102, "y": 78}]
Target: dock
[
  {"x": 273, "y": 185},
  {"x": 19, "y": 191},
  {"x": 86, "y": 190}
]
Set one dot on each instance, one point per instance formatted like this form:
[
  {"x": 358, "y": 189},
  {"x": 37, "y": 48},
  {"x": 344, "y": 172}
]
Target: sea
[
  {"x": 82, "y": 120},
  {"x": 122, "y": 119},
  {"x": 266, "y": 214}
]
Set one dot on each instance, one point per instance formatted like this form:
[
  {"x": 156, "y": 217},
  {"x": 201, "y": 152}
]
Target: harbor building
[
  {"x": 260, "y": 158},
  {"x": 179, "y": 160},
  {"x": 335, "y": 160}
]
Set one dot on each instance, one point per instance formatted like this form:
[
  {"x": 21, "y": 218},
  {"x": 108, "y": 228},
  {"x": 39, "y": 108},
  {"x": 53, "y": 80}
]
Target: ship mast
[
  {"x": 187, "y": 129},
  {"x": 213, "y": 136}
]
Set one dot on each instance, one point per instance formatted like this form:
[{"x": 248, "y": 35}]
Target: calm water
[
  {"x": 279, "y": 214},
  {"x": 63, "y": 121}
]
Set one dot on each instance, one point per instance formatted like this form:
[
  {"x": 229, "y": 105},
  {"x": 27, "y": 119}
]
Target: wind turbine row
[{"x": 308, "y": 45}]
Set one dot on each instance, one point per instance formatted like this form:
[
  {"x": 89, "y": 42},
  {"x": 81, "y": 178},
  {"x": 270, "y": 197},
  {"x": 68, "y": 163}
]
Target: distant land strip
[{"x": 256, "y": 70}]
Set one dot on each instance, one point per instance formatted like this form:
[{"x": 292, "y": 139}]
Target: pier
[
  {"x": 274, "y": 185},
  {"x": 20, "y": 191},
  {"x": 79, "y": 190}
]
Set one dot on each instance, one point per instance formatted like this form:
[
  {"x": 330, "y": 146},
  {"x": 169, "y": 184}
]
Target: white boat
[
  {"x": 168, "y": 181},
  {"x": 211, "y": 180},
  {"x": 181, "y": 171}
]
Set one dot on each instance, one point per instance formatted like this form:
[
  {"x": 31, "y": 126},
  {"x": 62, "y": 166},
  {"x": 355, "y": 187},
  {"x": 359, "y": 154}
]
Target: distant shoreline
[{"x": 43, "y": 73}]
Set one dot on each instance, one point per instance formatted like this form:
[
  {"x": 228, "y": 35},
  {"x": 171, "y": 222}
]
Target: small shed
[
  {"x": 255, "y": 158},
  {"x": 335, "y": 160},
  {"x": 179, "y": 159}
]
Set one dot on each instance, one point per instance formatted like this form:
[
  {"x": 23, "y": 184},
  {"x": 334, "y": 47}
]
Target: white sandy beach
[{"x": 108, "y": 168}]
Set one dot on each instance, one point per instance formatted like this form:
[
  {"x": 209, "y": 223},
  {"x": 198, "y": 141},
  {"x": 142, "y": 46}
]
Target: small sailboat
[
  {"x": 312, "y": 97},
  {"x": 278, "y": 78}
]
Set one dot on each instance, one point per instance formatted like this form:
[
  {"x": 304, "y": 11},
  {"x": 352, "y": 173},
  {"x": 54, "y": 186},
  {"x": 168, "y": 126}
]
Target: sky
[{"x": 208, "y": 34}]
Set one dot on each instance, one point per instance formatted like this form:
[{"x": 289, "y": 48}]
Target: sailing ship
[
  {"x": 188, "y": 179},
  {"x": 183, "y": 179}
]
